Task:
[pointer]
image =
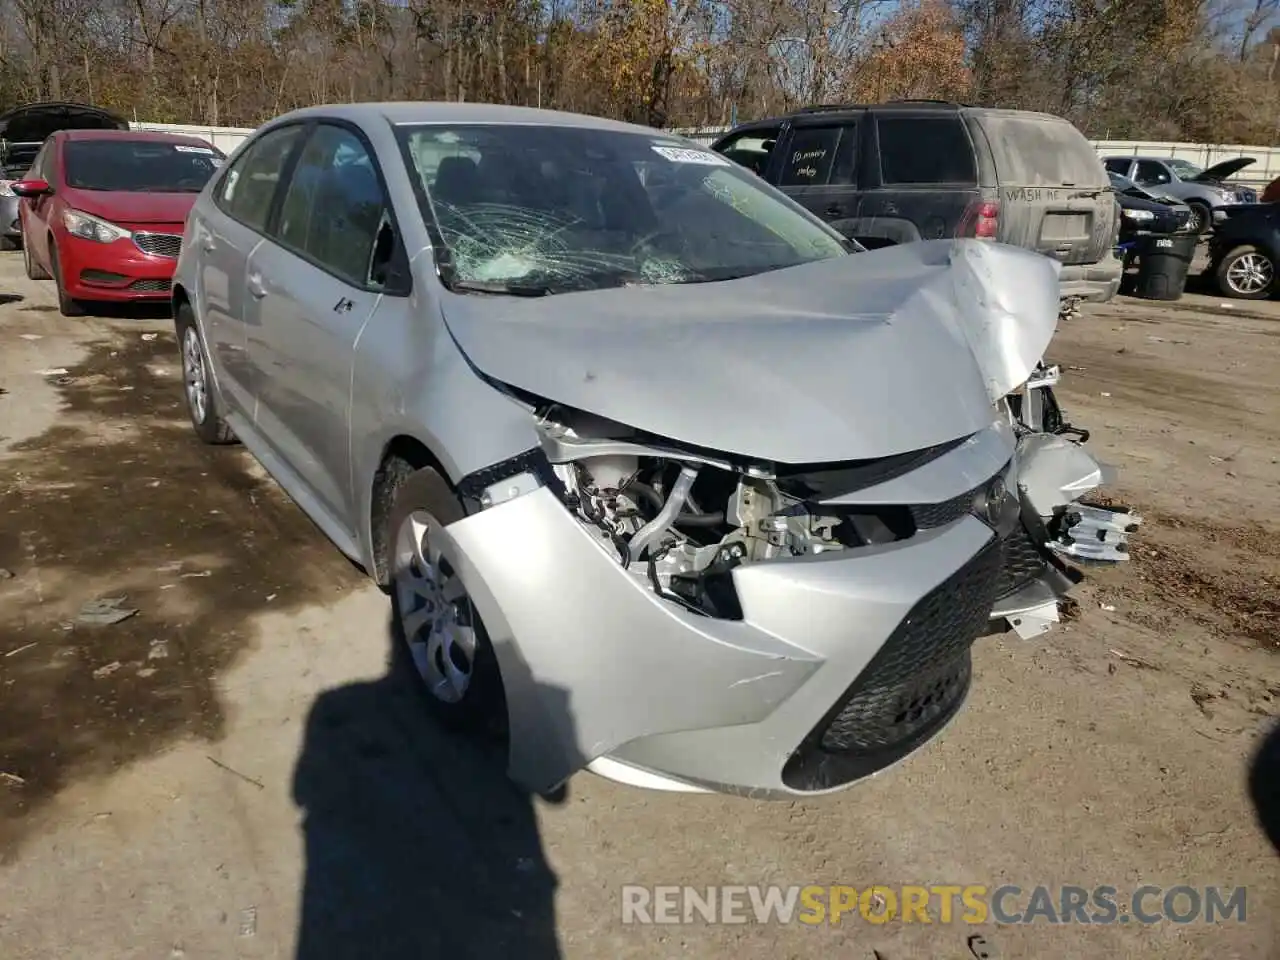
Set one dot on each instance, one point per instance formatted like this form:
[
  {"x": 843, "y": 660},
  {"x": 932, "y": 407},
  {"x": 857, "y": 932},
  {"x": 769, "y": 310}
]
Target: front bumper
[
  {"x": 841, "y": 664},
  {"x": 117, "y": 271},
  {"x": 798, "y": 697}
]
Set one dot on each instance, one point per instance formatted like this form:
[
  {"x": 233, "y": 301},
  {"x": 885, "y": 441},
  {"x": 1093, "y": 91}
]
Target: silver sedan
[{"x": 665, "y": 478}]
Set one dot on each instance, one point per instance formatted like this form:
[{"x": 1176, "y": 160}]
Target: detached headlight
[
  {"x": 89, "y": 227},
  {"x": 5, "y": 189},
  {"x": 1142, "y": 216}
]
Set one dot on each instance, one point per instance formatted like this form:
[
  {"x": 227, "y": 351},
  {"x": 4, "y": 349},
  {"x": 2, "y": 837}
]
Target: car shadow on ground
[
  {"x": 417, "y": 844},
  {"x": 1264, "y": 785}
]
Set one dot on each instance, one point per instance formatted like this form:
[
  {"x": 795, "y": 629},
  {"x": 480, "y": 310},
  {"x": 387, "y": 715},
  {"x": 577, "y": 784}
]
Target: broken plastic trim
[{"x": 508, "y": 479}]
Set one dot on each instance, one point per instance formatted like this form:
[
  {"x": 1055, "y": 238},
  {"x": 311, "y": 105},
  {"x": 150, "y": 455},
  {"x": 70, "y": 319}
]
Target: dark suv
[{"x": 920, "y": 170}]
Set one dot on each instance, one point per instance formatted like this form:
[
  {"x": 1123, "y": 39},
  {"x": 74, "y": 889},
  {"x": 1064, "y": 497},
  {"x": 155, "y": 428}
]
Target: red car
[{"x": 103, "y": 212}]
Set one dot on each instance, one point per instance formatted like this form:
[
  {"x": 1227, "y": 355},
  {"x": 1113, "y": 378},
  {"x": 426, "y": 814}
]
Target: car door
[
  {"x": 225, "y": 233},
  {"x": 38, "y": 210},
  {"x": 819, "y": 170},
  {"x": 315, "y": 292}
]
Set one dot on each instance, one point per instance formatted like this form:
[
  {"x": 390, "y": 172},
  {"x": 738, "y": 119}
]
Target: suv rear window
[
  {"x": 1035, "y": 151},
  {"x": 920, "y": 149}
]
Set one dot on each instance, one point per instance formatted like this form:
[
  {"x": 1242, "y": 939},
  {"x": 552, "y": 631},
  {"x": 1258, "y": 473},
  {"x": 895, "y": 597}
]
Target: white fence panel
[{"x": 225, "y": 139}]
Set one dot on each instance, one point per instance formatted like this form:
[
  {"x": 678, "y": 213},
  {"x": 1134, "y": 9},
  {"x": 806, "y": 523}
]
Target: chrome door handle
[{"x": 256, "y": 288}]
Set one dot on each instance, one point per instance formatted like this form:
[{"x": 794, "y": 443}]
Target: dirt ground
[{"x": 234, "y": 772}]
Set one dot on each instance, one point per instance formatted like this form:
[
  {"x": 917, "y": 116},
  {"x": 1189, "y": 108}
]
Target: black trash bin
[{"x": 1163, "y": 264}]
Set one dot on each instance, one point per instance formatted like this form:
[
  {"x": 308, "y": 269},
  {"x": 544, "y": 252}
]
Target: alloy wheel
[
  {"x": 193, "y": 374},
  {"x": 436, "y": 615},
  {"x": 1250, "y": 274}
]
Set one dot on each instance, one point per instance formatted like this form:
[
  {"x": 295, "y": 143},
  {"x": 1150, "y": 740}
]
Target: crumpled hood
[{"x": 852, "y": 358}]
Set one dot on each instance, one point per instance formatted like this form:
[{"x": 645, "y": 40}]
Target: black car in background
[
  {"x": 913, "y": 170},
  {"x": 1244, "y": 251},
  {"x": 23, "y": 130},
  {"x": 1141, "y": 212}
]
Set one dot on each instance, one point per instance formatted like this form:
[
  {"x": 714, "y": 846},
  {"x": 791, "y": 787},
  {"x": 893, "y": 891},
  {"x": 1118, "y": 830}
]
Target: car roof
[
  {"x": 151, "y": 136},
  {"x": 412, "y": 112}
]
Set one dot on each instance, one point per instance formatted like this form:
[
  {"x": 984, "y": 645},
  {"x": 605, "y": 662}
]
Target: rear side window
[
  {"x": 1118, "y": 166},
  {"x": 925, "y": 149},
  {"x": 810, "y": 156},
  {"x": 249, "y": 186},
  {"x": 1034, "y": 151}
]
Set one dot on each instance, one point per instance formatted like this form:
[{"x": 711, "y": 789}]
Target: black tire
[
  {"x": 9, "y": 243},
  {"x": 209, "y": 423},
  {"x": 67, "y": 306},
  {"x": 1200, "y": 211},
  {"x": 1230, "y": 287},
  {"x": 34, "y": 270},
  {"x": 482, "y": 710}
]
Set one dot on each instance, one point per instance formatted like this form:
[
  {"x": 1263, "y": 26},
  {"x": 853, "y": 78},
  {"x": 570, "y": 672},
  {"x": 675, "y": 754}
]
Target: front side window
[
  {"x": 924, "y": 150},
  {"x": 334, "y": 205},
  {"x": 751, "y": 148},
  {"x": 250, "y": 184},
  {"x": 545, "y": 209},
  {"x": 1149, "y": 172},
  {"x": 138, "y": 166}
]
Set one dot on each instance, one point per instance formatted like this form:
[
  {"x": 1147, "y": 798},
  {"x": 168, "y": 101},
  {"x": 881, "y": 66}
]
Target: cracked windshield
[{"x": 540, "y": 209}]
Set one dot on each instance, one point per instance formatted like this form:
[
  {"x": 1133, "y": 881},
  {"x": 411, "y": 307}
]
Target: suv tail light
[{"x": 981, "y": 219}]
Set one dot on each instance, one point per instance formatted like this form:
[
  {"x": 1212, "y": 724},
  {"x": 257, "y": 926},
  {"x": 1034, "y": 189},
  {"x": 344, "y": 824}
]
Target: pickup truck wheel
[
  {"x": 433, "y": 618},
  {"x": 202, "y": 401},
  {"x": 1246, "y": 273}
]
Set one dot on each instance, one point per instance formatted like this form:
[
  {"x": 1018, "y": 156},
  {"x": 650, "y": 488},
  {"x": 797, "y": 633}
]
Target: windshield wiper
[{"x": 509, "y": 288}]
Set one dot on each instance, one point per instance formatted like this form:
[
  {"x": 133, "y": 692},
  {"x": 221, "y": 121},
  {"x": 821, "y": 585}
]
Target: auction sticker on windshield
[
  {"x": 183, "y": 148},
  {"x": 683, "y": 155}
]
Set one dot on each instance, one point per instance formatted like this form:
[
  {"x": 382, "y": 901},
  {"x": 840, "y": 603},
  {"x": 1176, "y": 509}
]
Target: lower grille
[
  {"x": 1023, "y": 562},
  {"x": 101, "y": 276},
  {"x": 151, "y": 286},
  {"x": 911, "y": 688}
]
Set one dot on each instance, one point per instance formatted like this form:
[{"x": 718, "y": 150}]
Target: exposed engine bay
[{"x": 683, "y": 520}]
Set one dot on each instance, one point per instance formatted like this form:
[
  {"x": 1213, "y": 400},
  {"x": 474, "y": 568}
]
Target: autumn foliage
[{"x": 1205, "y": 70}]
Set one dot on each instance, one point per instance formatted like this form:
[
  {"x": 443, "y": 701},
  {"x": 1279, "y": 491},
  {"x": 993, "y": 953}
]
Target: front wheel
[
  {"x": 1246, "y": 273},
  {"x": 433, "y": 615},
  {"x": 67, "y": 305},
  {"x": 1201, "y": 218},
  {"x": 202, "y": 402}
]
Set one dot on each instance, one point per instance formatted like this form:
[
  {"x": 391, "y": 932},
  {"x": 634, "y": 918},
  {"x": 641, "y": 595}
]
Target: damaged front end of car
[{"x": 745, "y": 616}]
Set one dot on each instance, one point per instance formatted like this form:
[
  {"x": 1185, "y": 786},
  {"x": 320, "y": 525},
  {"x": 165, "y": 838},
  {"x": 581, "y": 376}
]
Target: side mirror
[{"x": 31, "y": 188}]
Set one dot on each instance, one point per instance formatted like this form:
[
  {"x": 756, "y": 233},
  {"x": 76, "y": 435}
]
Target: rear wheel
[
  {"x": 1246, "y": 273},
  {"x": 434, "y": 617},
  {"x": 8, "y": 243},
  {"x": 34, "y": 270},
  {"x": 202, "y": 401},
  {"x": 69, "y": 306}
]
